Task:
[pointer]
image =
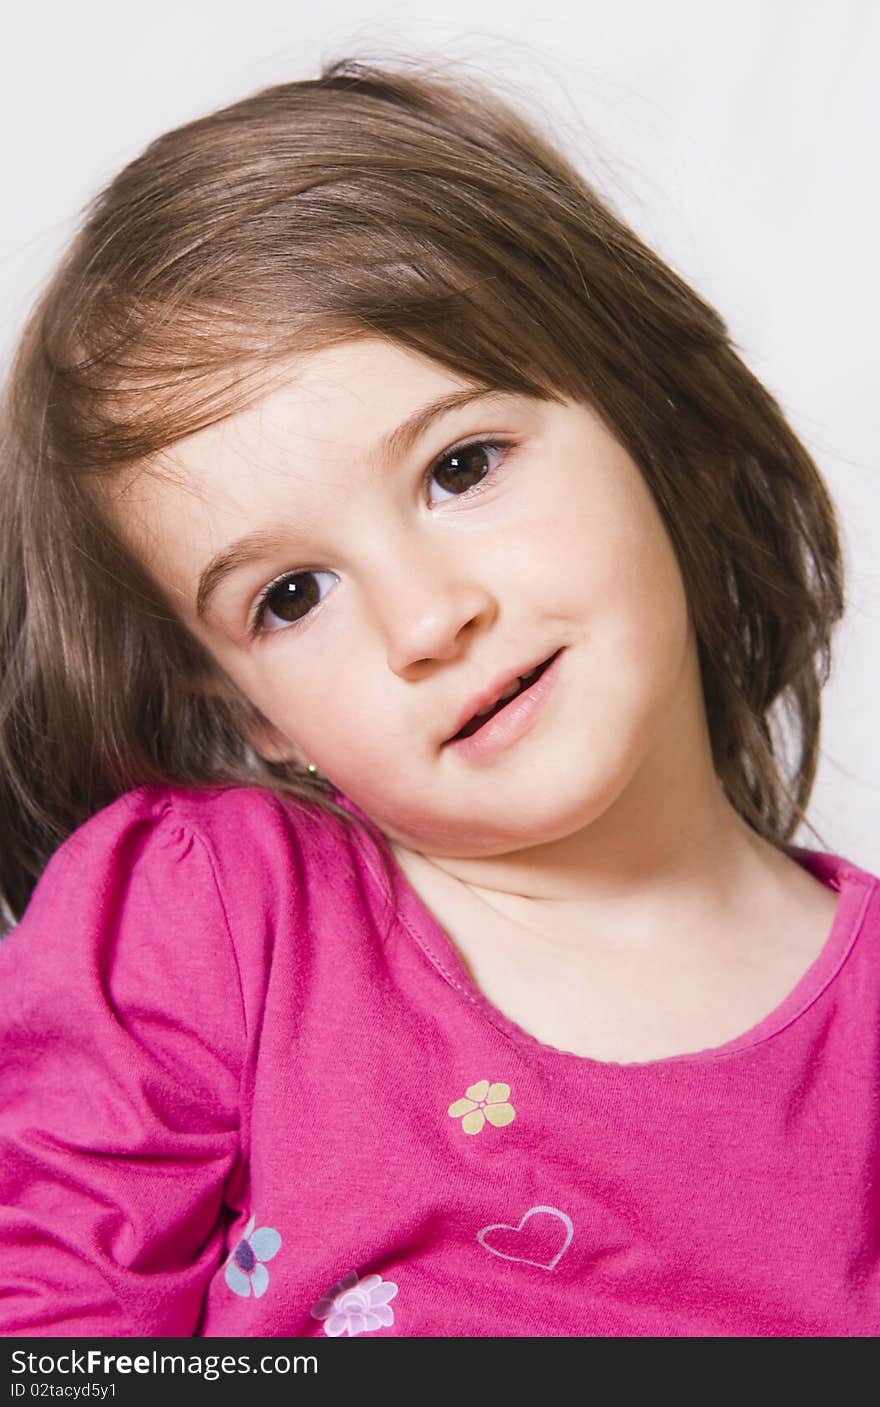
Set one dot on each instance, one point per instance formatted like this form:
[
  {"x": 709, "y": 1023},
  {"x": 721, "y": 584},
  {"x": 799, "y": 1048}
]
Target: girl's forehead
[
  {"x": 358, "y": 404},
  {"x": 363, "y": 404},
  {"x": 352, "y": 387}
]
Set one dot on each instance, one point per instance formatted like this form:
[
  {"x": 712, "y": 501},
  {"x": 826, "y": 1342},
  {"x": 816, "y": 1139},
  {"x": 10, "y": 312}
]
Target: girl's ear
[
  {"x": 265, "y": 739},
  {"x": 271, "y": 745}
]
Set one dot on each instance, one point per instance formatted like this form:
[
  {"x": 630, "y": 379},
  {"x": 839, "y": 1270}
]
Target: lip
[
  {"x": 511, "y": 721},
  {"x": 481, "y": 702}
]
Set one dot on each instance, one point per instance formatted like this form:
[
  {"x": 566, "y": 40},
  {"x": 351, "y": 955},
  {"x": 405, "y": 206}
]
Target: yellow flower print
[{"x": 484, "y": 1101}]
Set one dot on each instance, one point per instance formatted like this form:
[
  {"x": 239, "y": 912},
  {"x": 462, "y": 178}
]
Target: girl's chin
[
  {"x": 489, "y": 821},
  {"x": 481, "y": 840}
]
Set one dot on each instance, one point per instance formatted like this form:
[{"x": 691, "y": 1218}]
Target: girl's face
[{"x": 415, "y": 569}]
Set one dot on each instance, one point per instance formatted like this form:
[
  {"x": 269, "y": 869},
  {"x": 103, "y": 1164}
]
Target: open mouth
[{"x": 525, "y": 682}]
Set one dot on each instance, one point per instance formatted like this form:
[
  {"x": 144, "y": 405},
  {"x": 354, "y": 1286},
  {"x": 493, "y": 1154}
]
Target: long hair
[{"x": 398, "y": 202}]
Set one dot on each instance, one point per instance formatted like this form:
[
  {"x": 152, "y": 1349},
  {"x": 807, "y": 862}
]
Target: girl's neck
[{"x": 692, "y": 866}]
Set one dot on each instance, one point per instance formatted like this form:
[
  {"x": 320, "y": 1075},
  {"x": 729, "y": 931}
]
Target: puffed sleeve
[{"x": 122, "y": 1048}]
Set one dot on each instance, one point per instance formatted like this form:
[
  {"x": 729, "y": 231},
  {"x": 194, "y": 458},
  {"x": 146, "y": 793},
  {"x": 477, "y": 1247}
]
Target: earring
[{"x": 313, "y": 769}]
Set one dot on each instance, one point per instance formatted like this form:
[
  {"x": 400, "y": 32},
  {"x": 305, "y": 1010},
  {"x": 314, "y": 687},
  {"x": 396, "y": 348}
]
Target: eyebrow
[{"x": 390, "y": 449}]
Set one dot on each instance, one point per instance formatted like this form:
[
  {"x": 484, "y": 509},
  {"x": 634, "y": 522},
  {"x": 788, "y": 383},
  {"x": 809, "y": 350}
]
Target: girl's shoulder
[
  {"x": 245, "y": 847},
  {"x": 173, "y": 898},
  {"x": 237, "y": 823},
  {"x": 835, "y": 870}
]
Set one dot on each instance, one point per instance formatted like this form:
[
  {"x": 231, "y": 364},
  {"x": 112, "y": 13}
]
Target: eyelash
[{"x": 255, "y": 626}]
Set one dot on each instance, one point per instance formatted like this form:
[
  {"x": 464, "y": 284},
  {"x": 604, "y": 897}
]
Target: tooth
[{"x": 508, "y": 694}]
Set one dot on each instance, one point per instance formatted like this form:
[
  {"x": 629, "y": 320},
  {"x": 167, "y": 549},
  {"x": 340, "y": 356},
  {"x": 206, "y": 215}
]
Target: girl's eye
[
  {"x": 462, "y": 469},
  {"x": 292, "y": 597}
]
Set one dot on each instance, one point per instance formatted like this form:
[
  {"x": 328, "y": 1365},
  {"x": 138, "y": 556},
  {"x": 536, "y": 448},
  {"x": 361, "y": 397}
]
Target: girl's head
[{"x": 249, "y": 310}]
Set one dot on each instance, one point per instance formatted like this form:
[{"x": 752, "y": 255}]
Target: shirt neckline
[{"x": 854, "y": 886}]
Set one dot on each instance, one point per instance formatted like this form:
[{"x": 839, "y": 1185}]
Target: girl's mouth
[{"x": 524, "y": 682}]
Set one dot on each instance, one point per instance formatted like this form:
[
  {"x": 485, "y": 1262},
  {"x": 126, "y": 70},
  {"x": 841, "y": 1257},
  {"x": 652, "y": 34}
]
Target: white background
[{"x": 739, "y": 139}]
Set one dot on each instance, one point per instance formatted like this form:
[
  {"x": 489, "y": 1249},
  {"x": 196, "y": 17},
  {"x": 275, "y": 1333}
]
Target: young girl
[{"x": 402, "y": 579}]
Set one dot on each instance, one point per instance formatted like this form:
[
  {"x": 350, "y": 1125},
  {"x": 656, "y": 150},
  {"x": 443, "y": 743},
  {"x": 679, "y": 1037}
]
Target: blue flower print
[{"x": 245, "y": 1272}]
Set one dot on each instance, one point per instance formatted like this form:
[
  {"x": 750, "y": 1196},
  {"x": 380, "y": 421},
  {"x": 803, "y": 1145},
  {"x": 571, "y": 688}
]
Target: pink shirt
[{"x": 245, "y": 1092}]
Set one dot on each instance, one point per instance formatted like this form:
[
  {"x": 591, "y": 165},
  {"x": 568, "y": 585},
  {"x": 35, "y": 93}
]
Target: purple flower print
[
  {"x": 245, "y": 1272},
  {"x": 356, "y": 1306}
]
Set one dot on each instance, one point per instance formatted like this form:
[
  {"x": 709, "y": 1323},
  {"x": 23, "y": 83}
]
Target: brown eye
[
  {"x": 290, "y": 599},
  {"x": 462, "y": 469}
]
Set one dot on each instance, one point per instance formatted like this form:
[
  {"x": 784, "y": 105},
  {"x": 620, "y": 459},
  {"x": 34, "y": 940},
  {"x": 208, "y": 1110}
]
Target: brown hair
[{"x": 399, "y": 202}]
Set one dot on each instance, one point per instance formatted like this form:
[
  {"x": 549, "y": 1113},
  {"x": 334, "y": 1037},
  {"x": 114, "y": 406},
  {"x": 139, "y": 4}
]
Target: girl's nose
[{"x": 424, "y": 604}]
